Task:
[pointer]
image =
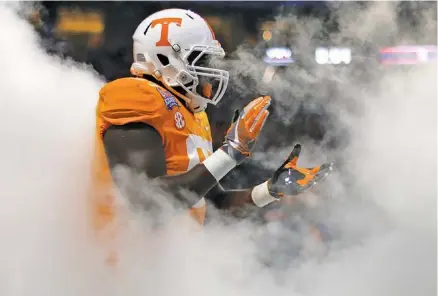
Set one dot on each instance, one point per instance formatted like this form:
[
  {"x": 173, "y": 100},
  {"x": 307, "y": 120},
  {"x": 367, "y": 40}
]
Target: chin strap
[{"x": 195, "y": 106}]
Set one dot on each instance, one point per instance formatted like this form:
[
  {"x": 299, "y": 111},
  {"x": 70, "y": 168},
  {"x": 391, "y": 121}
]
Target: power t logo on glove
[
  {"x": 292, "y": 180},
  {"x": 245, "y": 128}
]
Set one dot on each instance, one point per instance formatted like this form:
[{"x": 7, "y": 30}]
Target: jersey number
[{"x": 197, "y": 150}]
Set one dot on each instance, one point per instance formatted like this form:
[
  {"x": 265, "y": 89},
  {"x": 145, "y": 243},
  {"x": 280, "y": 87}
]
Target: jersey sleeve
[{"x": 131, "y": 100}]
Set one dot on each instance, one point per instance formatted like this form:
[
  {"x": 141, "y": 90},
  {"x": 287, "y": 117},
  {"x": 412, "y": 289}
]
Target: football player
[{"x": 155, "y": 124}]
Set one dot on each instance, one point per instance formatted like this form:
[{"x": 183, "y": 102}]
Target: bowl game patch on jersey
[{"x": 169, "y": 98}]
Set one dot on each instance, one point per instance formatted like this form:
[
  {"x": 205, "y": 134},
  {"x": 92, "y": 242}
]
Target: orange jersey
[{"x": 186, "y": 137}]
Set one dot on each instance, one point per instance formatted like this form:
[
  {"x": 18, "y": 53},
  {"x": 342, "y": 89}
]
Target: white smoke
[
  {"x": 47, "y": 110},
  {"x": 387, "y": 213}
]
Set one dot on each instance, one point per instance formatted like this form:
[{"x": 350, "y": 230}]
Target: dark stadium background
[{"x": 100, "y": 34}]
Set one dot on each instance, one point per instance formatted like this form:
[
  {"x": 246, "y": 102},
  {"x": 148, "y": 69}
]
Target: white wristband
[
  {"x": 260, "y": 195},
  {"x": 219, "y": 164}
]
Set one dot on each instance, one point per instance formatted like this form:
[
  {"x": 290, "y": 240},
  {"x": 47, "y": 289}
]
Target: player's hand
[
  {"x": 245, "y": 128},
  {"x": 290, "y": 179}
]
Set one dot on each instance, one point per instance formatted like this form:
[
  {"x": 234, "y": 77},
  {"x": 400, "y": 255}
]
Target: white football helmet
[{"x": 172, "y": 46}]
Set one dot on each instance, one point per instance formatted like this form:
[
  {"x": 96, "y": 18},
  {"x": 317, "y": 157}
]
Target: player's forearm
[
  {"x": 191, "y": 186},
  {"x": 257, "y": 196},
  {"x": 239, "y": 203},
  {"x": 229, "y": 199},
  {"x": 201, "y": 179}
]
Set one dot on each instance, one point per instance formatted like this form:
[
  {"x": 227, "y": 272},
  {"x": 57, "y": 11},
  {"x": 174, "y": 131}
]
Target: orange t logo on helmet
[{"x": 165, "y": 22}]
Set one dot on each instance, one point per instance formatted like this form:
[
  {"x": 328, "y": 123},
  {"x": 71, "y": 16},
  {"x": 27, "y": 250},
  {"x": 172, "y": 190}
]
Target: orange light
[
  {"x": 80, "y": 22},
  {"x": 267, "y": 35}
]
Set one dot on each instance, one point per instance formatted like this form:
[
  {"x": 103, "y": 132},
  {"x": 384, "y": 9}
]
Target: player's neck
[{"x": 156, "y": 81}]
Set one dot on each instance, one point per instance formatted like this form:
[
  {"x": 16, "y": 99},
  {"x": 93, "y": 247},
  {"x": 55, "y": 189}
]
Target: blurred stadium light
[
  {"x": 279, "y": 56},
  {"x": 267, "y": 35},
  {"x": 76, "y": 21},
  {"x": 408, "y": 55},
  {"x": 332, "y": 55}
]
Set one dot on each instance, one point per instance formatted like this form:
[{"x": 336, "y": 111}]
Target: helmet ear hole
[
  {"x": 141, "y": 57},
  {"x": 163, "y": 59}
]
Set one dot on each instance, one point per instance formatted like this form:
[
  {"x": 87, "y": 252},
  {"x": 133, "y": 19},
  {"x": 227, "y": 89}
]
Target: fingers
[
  {"x": 327, "y": 166},
  {"x": 255, "y": 115},
  {"x": 233, "y": 120},
  {"x": 254, "y": 109},
  {"x": 324, "y": 172},
  {"x": 257, "y": 102},
  {"x": 292, "y": 160},
  {"x": 235, "y": 116},
  {"x": 258, "y": 125},
  {"x": 258, "y": 119},
  {"x": 315, "y": 175},
  {"x": 295, "y": 152}
]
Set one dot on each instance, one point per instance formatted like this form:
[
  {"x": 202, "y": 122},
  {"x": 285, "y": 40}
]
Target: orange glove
[{"x": 245, "y": 128}]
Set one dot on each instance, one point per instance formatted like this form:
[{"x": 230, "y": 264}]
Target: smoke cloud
[{"x": 381, "y": 200}]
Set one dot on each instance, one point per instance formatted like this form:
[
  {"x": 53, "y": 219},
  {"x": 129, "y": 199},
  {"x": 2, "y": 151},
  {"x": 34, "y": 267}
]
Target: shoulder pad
[{"x": 131, "y": 100}]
